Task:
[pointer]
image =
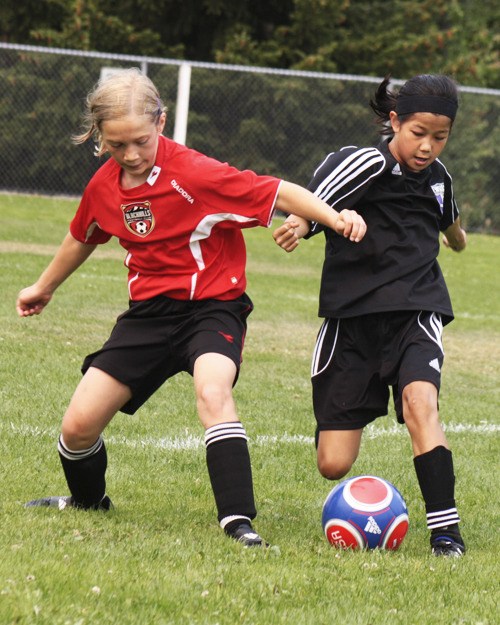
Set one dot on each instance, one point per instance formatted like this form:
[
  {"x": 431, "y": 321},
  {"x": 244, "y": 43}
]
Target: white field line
[{"x": 190, "y": 441}]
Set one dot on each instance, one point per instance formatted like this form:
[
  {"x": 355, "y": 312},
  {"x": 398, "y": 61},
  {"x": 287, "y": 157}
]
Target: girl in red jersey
[
  {"x": 179, "y": 216},
  {"x": 385, "y": 301}
]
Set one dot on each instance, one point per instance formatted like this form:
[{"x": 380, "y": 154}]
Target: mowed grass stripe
[{"x": 193, "y": 441}]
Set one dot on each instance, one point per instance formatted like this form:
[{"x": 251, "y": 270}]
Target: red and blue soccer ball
[{"x": 365, "y": 512}]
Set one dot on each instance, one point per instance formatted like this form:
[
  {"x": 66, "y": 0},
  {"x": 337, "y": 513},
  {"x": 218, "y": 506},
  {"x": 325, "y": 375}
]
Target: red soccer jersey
[{"x": 181, "y": 228}]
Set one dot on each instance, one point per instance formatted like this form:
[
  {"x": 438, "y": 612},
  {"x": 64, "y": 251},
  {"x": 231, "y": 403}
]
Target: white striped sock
[
  {"x": 442, "y": 518},
  {"x": 222, "y": 431},
  {"x": 234, "y": 517},
  {"x": 80, "y": 453}
]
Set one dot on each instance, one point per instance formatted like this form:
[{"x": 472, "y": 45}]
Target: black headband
[{"x": 406, "y": 104}]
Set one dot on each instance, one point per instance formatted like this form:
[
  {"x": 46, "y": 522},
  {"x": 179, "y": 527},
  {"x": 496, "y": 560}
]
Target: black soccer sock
[
  {"x": 437, "y": 482},
  {"x": 228, "y": 462},
  {"x": 85, "y": 472}
]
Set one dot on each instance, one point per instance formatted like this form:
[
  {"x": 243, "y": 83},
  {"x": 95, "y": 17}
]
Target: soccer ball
[{"x": 365, "y": 512}]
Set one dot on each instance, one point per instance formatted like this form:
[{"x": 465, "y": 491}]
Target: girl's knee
[
  {"x": 334, "y": 468},
  {"x": 337, "y": 451},
  {"x": 79, "y": 432},
  {"x": 215, "y": 404},
  {"x": 76, "y": 438},
  {"x": 420, "y": 403},
  {"x": 211, "y": 394}
]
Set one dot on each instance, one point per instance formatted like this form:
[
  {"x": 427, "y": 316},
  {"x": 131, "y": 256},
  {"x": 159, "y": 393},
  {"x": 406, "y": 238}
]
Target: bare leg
[
  {"x": 95, "y": 401},
  {"x": 213, "y": 381},
  {"x": 420, "y": 411},
  {"x": 337, "y": 451}
]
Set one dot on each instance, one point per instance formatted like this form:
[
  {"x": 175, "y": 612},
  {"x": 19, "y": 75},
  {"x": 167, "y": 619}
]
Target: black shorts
[
  {"x": 356, "y": 361},
  {"x": 157, "y": 338}
]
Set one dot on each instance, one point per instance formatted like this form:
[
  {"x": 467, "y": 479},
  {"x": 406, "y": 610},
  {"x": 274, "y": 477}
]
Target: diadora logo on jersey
[
  {"x": 372, "y": 526},
  {"x": 138, "y": 218},
  {"x": 153, "y": 176},
  {"x": 396, "y": 170},
  {"x": 438, "y": 190},
  {"x": 435, "y": 365},
  {"x": 182, "y": 191}
]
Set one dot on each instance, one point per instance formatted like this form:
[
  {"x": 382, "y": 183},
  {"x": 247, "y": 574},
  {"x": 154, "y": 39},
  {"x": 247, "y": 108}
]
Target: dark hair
[{"x": 425, "y": 87}]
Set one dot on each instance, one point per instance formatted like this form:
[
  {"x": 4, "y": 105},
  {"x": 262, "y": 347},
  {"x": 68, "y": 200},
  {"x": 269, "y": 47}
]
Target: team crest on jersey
[
  {"x": 438, "y": 190},
  {"x": 138, "y": 218}
]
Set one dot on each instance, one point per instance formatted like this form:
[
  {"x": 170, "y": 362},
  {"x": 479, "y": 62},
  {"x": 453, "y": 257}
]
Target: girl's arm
[
  {"x": 295, "y": 200},
  {"x": 33, "y": 299},
  {"x": 455, "y": 236}
]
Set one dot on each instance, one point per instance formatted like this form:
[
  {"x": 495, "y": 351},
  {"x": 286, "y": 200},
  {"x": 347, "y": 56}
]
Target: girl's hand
[
  {"x": 286, "y": 236},
  {"x": 455, "y": 237},
  {"x": 458, "y": 244},
  {"x": 31, "y": 301},
  {"x": 350, "y": 225}
]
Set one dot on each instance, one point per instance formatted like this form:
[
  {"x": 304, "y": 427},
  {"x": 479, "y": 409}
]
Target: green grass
[{"x": 159, "y": 557}]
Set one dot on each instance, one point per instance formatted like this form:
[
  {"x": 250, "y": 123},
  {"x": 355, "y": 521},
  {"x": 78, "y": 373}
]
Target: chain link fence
[{"x": 278, "y": 122}]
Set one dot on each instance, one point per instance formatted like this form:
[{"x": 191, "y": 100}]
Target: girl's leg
[
  {"x": 336, "y": 452},
  {"x": 228, "y": 458},
  {"x": 81, "y": 447},
  {"x": 420, "y": 412},
  {"x": 213, "y": 376},
  {"x": 95, "y": 401},
  {"x": 434, "y": 467}
]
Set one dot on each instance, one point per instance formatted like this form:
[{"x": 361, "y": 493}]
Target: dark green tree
[
  {"x": 375, "y": 37},
  {"x": 18, "y": 19},
  {"x": 371, "y": 37},
  {"x": 473, "y": 55}
]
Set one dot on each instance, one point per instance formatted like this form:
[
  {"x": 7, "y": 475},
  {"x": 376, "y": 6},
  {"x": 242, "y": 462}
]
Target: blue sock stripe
[
  {"x": 80, "y": 453},
  {"x": 223, "y": 431}
]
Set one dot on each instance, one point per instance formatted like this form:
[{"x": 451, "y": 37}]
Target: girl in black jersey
[{"x": 385, "y": 301}]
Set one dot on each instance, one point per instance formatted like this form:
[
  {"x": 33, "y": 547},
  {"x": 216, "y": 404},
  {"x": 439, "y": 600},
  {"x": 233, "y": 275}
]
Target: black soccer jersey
[{"x": 395, "y": 266}]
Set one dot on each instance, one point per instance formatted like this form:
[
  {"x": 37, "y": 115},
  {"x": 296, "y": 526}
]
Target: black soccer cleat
[
  {"x": 247, "y": 536},
  {"x": 67, "y": 502},
  {"x": 446, "y": 547}
]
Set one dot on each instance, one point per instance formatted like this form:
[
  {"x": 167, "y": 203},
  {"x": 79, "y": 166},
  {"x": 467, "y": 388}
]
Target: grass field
[{"x": 159, "y": 558}]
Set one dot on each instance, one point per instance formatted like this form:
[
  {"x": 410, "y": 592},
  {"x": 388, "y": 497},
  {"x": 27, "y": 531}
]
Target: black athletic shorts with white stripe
[
  {"x": 356, "y": 360},
  {"x": 157, "y": 338}
]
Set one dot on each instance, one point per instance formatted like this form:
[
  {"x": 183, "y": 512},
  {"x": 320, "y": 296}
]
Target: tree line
[{"x": 376, "y": 37}]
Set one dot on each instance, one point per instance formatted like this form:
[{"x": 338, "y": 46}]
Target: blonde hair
[{"x": 124, "y": 93}]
